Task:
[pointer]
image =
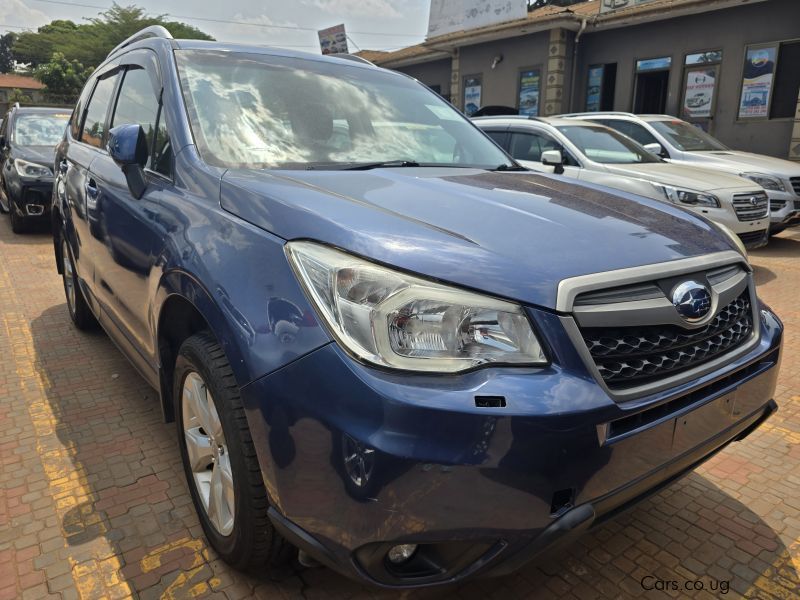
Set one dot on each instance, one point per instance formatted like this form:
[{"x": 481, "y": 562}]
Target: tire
[
  {"x": 243, "y": 537},
  {"x": 79, "y": 311},
  {"x": 18, "y": 224}
]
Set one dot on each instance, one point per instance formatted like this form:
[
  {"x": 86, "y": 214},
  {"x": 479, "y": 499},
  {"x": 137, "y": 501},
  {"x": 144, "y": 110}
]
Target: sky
[{"x": 371, "y": 24}]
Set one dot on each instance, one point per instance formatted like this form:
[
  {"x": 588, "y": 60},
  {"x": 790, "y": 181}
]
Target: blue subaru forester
[{"x": 381, "y": 339}]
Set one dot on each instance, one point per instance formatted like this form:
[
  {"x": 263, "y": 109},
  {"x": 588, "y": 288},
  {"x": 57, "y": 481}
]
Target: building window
[
  {"x": 787, "y": 82},
  {"x": 770, "y": 81},
  {"x": 700, "y": 77},
  {"x": 652, "y": 85},
  {"x": 600, "y": 86}
]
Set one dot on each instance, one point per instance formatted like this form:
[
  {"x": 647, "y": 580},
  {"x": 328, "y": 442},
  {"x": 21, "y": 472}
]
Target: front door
[{"x": 131, "y": 229}]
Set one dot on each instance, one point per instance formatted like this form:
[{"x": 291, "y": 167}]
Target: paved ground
[{"x": 93, "y": 501}]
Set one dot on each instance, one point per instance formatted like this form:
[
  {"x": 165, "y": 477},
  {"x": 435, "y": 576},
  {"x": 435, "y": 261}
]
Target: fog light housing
[{"x": 401, "y": 553}]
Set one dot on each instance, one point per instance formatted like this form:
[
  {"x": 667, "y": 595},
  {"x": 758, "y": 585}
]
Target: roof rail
[
  {"x": 154, "y": 31},
  {"x": 353, "y": 57},
  {"x": 620, "y": 113}
]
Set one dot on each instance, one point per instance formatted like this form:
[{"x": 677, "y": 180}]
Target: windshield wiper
[
  {"x": 373, "y": 165},
  {"x": 505, "y": 167}
]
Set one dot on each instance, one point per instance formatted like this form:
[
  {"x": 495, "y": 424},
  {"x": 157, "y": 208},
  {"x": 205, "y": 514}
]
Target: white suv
[
  {"x": 594, "y": 153},
  {"x": 683, "y": 143}
]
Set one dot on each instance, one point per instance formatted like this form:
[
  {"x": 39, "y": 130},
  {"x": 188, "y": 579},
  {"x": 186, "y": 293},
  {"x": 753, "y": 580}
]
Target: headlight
[
  {"x": 396, "y": 320},
  {"x": 688, "y": 197},
  {"x": 29, "y": 169},
  {"x": 766, "y": 181}
]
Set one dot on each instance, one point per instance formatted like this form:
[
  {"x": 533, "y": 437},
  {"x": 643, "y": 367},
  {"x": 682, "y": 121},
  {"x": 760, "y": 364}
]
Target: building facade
[{"x": 731, "y": 67}]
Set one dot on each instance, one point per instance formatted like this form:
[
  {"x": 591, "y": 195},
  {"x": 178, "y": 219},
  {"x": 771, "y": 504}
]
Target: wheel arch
[{"x": 185, "y": 308}]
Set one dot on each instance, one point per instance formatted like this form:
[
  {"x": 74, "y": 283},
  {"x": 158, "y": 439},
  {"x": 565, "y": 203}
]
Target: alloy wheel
[{"x": 207, "y": 453}]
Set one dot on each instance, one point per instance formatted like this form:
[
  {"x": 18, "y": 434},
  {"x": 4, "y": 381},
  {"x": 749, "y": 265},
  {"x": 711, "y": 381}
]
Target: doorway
[{"x": 651, "y": 92}]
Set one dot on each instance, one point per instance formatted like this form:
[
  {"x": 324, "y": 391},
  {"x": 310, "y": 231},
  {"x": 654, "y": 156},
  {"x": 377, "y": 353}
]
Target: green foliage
[
  {"x": 16, "y": 95},
  {"x": 89, "y": 43},
  {"x": 6, "y": 57},
  {"x": 63, "y": 78}
]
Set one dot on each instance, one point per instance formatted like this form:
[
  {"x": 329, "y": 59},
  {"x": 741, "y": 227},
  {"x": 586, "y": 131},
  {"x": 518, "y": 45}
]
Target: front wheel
[
  {"x": 220, "y": 460},
  {"x": 78, "y": 308},
  {"x": 18, "y": 224}
]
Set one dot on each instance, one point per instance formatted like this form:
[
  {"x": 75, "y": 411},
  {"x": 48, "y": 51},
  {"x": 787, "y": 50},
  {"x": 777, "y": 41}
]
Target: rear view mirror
[
  {"x": 654, "y": 149},
  {"x": 127, "y": 146},
  {"x": 553, "y": 158}
]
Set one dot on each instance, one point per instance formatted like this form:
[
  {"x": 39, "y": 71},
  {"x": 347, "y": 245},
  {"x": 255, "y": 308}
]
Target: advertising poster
[
  {"x": 472, "y": 95},
  {"x": 529, "y": 93},
  {"x": 594, "y": 88},
  {"x": 333, "y": 40},
  {"x": 759, "y": 70},
  {"x": 699, "y": 93}
]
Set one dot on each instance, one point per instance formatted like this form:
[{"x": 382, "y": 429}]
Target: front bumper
[
  {"x": 484, "y": 470},
  {"x": 31, "y": 199},
  {"x": 784, "y": 208}
]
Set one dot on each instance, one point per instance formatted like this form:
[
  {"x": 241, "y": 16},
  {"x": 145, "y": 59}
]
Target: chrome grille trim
[
  {"x": 727, "y": 269},
  {"x": 751, "y": 206},
  {"x": 795, "y": 181}
]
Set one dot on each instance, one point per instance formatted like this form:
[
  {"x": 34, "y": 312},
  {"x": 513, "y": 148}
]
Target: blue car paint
[{"x": 216, "y": 239}]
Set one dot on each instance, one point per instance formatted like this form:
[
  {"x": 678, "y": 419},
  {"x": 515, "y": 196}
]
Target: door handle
[
  {"x": 91, "y": 189},
  {"x": 62, "y": 167}
]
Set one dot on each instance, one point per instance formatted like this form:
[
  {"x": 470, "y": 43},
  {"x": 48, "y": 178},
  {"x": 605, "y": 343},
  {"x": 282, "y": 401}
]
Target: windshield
[
  {"x": 687, "y": 137},
  {"x": 39, "y": 129},
  {"x": 263, "y": 111},
  {"x": 606, "y": 146}
]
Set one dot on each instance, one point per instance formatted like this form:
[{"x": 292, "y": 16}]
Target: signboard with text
[
  {"x": 449, "y": 16},
  {"x": 529, "y": 83},
  {"x": 333, "y": 40},
  {"x": 609, "y": 5},
  {"x": 759, "y": 70},
  {"x": 699, "y": 93}
]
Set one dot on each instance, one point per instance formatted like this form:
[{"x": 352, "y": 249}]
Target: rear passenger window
[
  {"x": 526, "y": 146},
  {"x": 93, "y": 127},
  {"x": 499, "y": 138},
  {"x": 138, "y": 105}
]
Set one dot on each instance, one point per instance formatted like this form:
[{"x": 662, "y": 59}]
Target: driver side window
[{"x": 139, "y": 105}]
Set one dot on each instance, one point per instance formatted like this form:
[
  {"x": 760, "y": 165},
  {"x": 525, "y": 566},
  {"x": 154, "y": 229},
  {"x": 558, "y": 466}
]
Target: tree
[
  {"x": 62, "y": 78},
  {"x": 6, "y": 57},
  {"x": 17, "y": 95},
  {"x": 89, "y": 43}
]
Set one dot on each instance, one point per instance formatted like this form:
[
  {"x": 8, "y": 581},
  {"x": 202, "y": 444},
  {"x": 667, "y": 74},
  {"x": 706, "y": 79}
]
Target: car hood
[
  {"x": 746, "y": 162},
  {"x": 514, "y": 235},
  {"x": 695, "y": 178},
  {"x": 42, "y": 155}
]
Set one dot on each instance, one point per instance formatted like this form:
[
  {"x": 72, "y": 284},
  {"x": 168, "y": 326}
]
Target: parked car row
[
  {"x": 384, "y": 342},
  {"x": 660, "y": 157}
]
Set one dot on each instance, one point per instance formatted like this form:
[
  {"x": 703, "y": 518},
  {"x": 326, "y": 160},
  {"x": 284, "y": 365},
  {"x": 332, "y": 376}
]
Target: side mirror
[
  {"x": 553, "y": 158},
  {"x": 127, "y": 146},
  {"x": 655, "y": 149}
]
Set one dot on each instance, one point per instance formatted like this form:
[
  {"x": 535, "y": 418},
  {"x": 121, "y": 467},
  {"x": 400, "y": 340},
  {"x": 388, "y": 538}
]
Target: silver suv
[{"x": 682, "y": 142}]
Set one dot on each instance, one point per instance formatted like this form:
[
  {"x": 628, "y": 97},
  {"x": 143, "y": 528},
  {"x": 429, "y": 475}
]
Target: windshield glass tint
[
  {"x": 686, "y": 137},
  {"x": 252, "y": 110},
  {"x": 40, "y": 130},
  {"x": 606, "y": 146}
]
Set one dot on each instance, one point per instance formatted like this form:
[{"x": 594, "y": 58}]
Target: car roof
[
  {"x": 522, "y": 120},
  {"x": 619, "y": 115}
]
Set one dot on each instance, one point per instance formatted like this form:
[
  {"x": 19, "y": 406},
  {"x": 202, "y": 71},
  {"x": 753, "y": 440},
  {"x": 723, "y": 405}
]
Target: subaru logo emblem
[{"x": 692, "y": 300}]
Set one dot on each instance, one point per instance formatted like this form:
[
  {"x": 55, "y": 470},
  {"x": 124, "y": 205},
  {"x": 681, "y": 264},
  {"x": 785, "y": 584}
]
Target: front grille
[
  {"x": 776, "y": 205},
  {"x": 750, "y": 207},
  {"x": 634, "y": 355},
  {"x": 753, "y": 238},
  {"x": 796, "y": 185}
]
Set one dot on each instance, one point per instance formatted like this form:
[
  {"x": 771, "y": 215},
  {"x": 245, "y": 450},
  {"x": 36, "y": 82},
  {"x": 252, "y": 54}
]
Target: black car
[{"x": 28, "y": 137}]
